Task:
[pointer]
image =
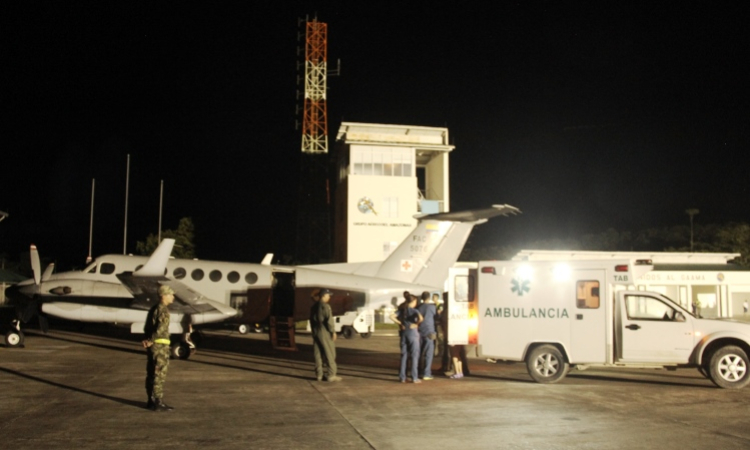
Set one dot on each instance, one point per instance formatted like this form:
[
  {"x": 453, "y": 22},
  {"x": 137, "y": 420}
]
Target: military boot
[
  {"x": 151, "y": 403},
  {"x": 159, "y": 406}
]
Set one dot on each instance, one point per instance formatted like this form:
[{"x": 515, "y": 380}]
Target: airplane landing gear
[
  {"x": 184, "y": 349},
  {"x": 14, "y": 337}
]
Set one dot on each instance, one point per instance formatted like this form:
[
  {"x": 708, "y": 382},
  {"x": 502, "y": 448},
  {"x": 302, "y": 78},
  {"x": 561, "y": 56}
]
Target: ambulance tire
[
  {"x": 546, "y": 364},
  {"x": 347, "y": 332},
  {"x": 729, "y": 367},
  {"x": 243, "y": 328},
  {"x": 365, "y": 335}
]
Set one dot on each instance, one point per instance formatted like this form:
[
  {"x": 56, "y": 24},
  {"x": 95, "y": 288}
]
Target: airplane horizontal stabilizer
[
  {"x": 425, "y": 256},
  {"x": 472, "y": 215}
]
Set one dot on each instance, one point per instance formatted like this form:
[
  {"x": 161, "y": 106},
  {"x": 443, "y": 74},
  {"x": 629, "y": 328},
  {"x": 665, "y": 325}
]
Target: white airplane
[{"x": 120, "y": 289}]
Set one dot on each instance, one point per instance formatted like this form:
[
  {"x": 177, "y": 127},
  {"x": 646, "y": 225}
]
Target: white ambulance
[{"x": 554, "y": 315}]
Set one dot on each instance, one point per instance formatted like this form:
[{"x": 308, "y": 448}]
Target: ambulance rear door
[{"x": 588, "y": 331}]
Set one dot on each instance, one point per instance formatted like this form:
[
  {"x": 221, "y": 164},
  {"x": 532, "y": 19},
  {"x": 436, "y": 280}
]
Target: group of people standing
[{"x": 418, "y": 319}]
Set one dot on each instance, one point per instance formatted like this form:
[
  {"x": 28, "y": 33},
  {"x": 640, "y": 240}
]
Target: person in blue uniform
[
  {"x": 427, "y": 334},
  {"x": 408, "y": 320}
]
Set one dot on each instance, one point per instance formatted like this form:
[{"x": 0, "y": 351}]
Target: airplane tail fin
[
  {"x": 156, "y": 265},
  {"x": 425, "y": 256}
]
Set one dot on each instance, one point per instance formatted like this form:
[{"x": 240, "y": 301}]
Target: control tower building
[{"x": 386, "y": 174}]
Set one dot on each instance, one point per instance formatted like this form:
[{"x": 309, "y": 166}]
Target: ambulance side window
[
  {"x": 648, "y": 308},
  {"x": 587, "y": 294},
  {"x": 464, "y": 288}
]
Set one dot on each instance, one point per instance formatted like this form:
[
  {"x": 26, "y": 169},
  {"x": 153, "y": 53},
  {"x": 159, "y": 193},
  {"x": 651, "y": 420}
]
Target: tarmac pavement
[{"x": 84, "y": 388}]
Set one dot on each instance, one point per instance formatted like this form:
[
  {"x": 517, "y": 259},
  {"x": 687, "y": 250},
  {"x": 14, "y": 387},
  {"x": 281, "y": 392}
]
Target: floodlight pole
[{"x": 127, "y": 188}]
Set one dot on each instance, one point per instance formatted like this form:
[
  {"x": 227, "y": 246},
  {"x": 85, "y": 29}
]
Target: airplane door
[
  {"x": 281, "y": 322},
  {"x": 588, "y": 334},
  {"x": 282, "y": 294},
  {"x": 652, "y": 330}
]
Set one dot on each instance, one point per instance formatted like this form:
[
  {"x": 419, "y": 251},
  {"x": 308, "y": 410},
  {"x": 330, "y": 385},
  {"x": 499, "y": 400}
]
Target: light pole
[{"x": 691, "y": 212}]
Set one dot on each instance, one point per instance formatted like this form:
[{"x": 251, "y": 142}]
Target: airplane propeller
[{"x": 34, "y": 306}]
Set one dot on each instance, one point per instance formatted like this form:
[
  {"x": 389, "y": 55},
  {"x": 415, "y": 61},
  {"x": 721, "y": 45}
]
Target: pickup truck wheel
[
  {"x": 546, "y": 364},
  {"x": 347, "y": 332},
  {"x": 728, "y": 368}
]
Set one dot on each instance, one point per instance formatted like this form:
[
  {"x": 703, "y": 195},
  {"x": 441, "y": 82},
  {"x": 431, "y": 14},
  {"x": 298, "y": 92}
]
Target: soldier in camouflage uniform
[
  {"x": 157, "y": 345},
  {"x": 324, "y": 333}
]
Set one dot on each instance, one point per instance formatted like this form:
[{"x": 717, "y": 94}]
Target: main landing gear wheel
[
  {"x": 243, "y": 328},
  {"x": 14, "y": 338},
  {"x": 729, "y": 368},
  {"x": 546, "y": 364},
  {"x": 347, "y": 332},
  {"x": 183, "y": 350}
]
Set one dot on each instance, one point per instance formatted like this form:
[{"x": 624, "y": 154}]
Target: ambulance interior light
[{"x": 489, "y": 269}]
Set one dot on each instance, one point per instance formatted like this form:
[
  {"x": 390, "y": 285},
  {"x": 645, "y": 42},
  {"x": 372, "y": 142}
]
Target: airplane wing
[{"x": 144, "y": 285}]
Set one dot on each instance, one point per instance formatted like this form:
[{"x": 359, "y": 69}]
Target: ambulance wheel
[
  {"x": 14, "y": 338},
  {"x": 257, "y": 328},
  {"x": 729, "y": 368},
  {"x": 365, "y": 335},
  {"x": 347, "y": 332},
  {"x": 546, "y": 364},
  {"x": 243, "y": 328}
]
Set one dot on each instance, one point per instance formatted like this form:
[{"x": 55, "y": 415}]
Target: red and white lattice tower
[{"x": 315, "y": 121}]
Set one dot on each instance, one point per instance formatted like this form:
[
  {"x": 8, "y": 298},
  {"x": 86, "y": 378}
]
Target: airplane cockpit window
[
  {"x": 107, "y": 269},
  {"x": 251, "y": 278},
  {"x": 215, "y": 275},
  {"x": 197, "y": 274},
  {"x": 91, "y": 268},
  {"x": 179, "y": 273},
  {"x": 233, "y": 277}
]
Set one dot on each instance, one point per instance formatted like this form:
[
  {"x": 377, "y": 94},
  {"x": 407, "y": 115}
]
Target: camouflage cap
[{"x": 165, "y": 290}]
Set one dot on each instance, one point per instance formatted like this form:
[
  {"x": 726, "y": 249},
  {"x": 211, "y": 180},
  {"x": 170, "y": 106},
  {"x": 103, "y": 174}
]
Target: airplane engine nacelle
[{"x": 92, "y": 313}]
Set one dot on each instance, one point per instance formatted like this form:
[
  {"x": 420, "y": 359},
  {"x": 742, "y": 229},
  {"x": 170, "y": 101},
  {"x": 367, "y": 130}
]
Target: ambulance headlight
[
  {"x": 524, "y": 272},
  {"x": 561, "y": 272}
]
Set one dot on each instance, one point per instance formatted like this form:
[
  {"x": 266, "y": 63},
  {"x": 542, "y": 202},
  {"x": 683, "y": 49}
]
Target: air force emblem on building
[{"x": 365, "y": 205}]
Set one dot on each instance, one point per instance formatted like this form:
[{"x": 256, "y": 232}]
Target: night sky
[{"x": 584, "y": 117}]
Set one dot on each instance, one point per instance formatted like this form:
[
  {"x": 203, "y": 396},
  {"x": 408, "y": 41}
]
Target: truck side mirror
[{"x": 678, "y": 317}]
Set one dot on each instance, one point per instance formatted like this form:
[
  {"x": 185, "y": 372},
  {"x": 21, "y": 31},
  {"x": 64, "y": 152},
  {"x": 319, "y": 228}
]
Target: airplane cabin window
[
  {"x": 233, "y": 277},
  {"x": 107, "y": 268},
  {"x": 215, "y": 275},
  {"x": 179, "y": 273},
  {"x": 251, "y": 278},
  {"x": 197, "y": 274}
]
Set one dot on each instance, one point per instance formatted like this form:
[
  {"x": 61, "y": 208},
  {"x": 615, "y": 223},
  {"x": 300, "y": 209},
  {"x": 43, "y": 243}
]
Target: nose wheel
[{"x": 14, "y": 337}]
